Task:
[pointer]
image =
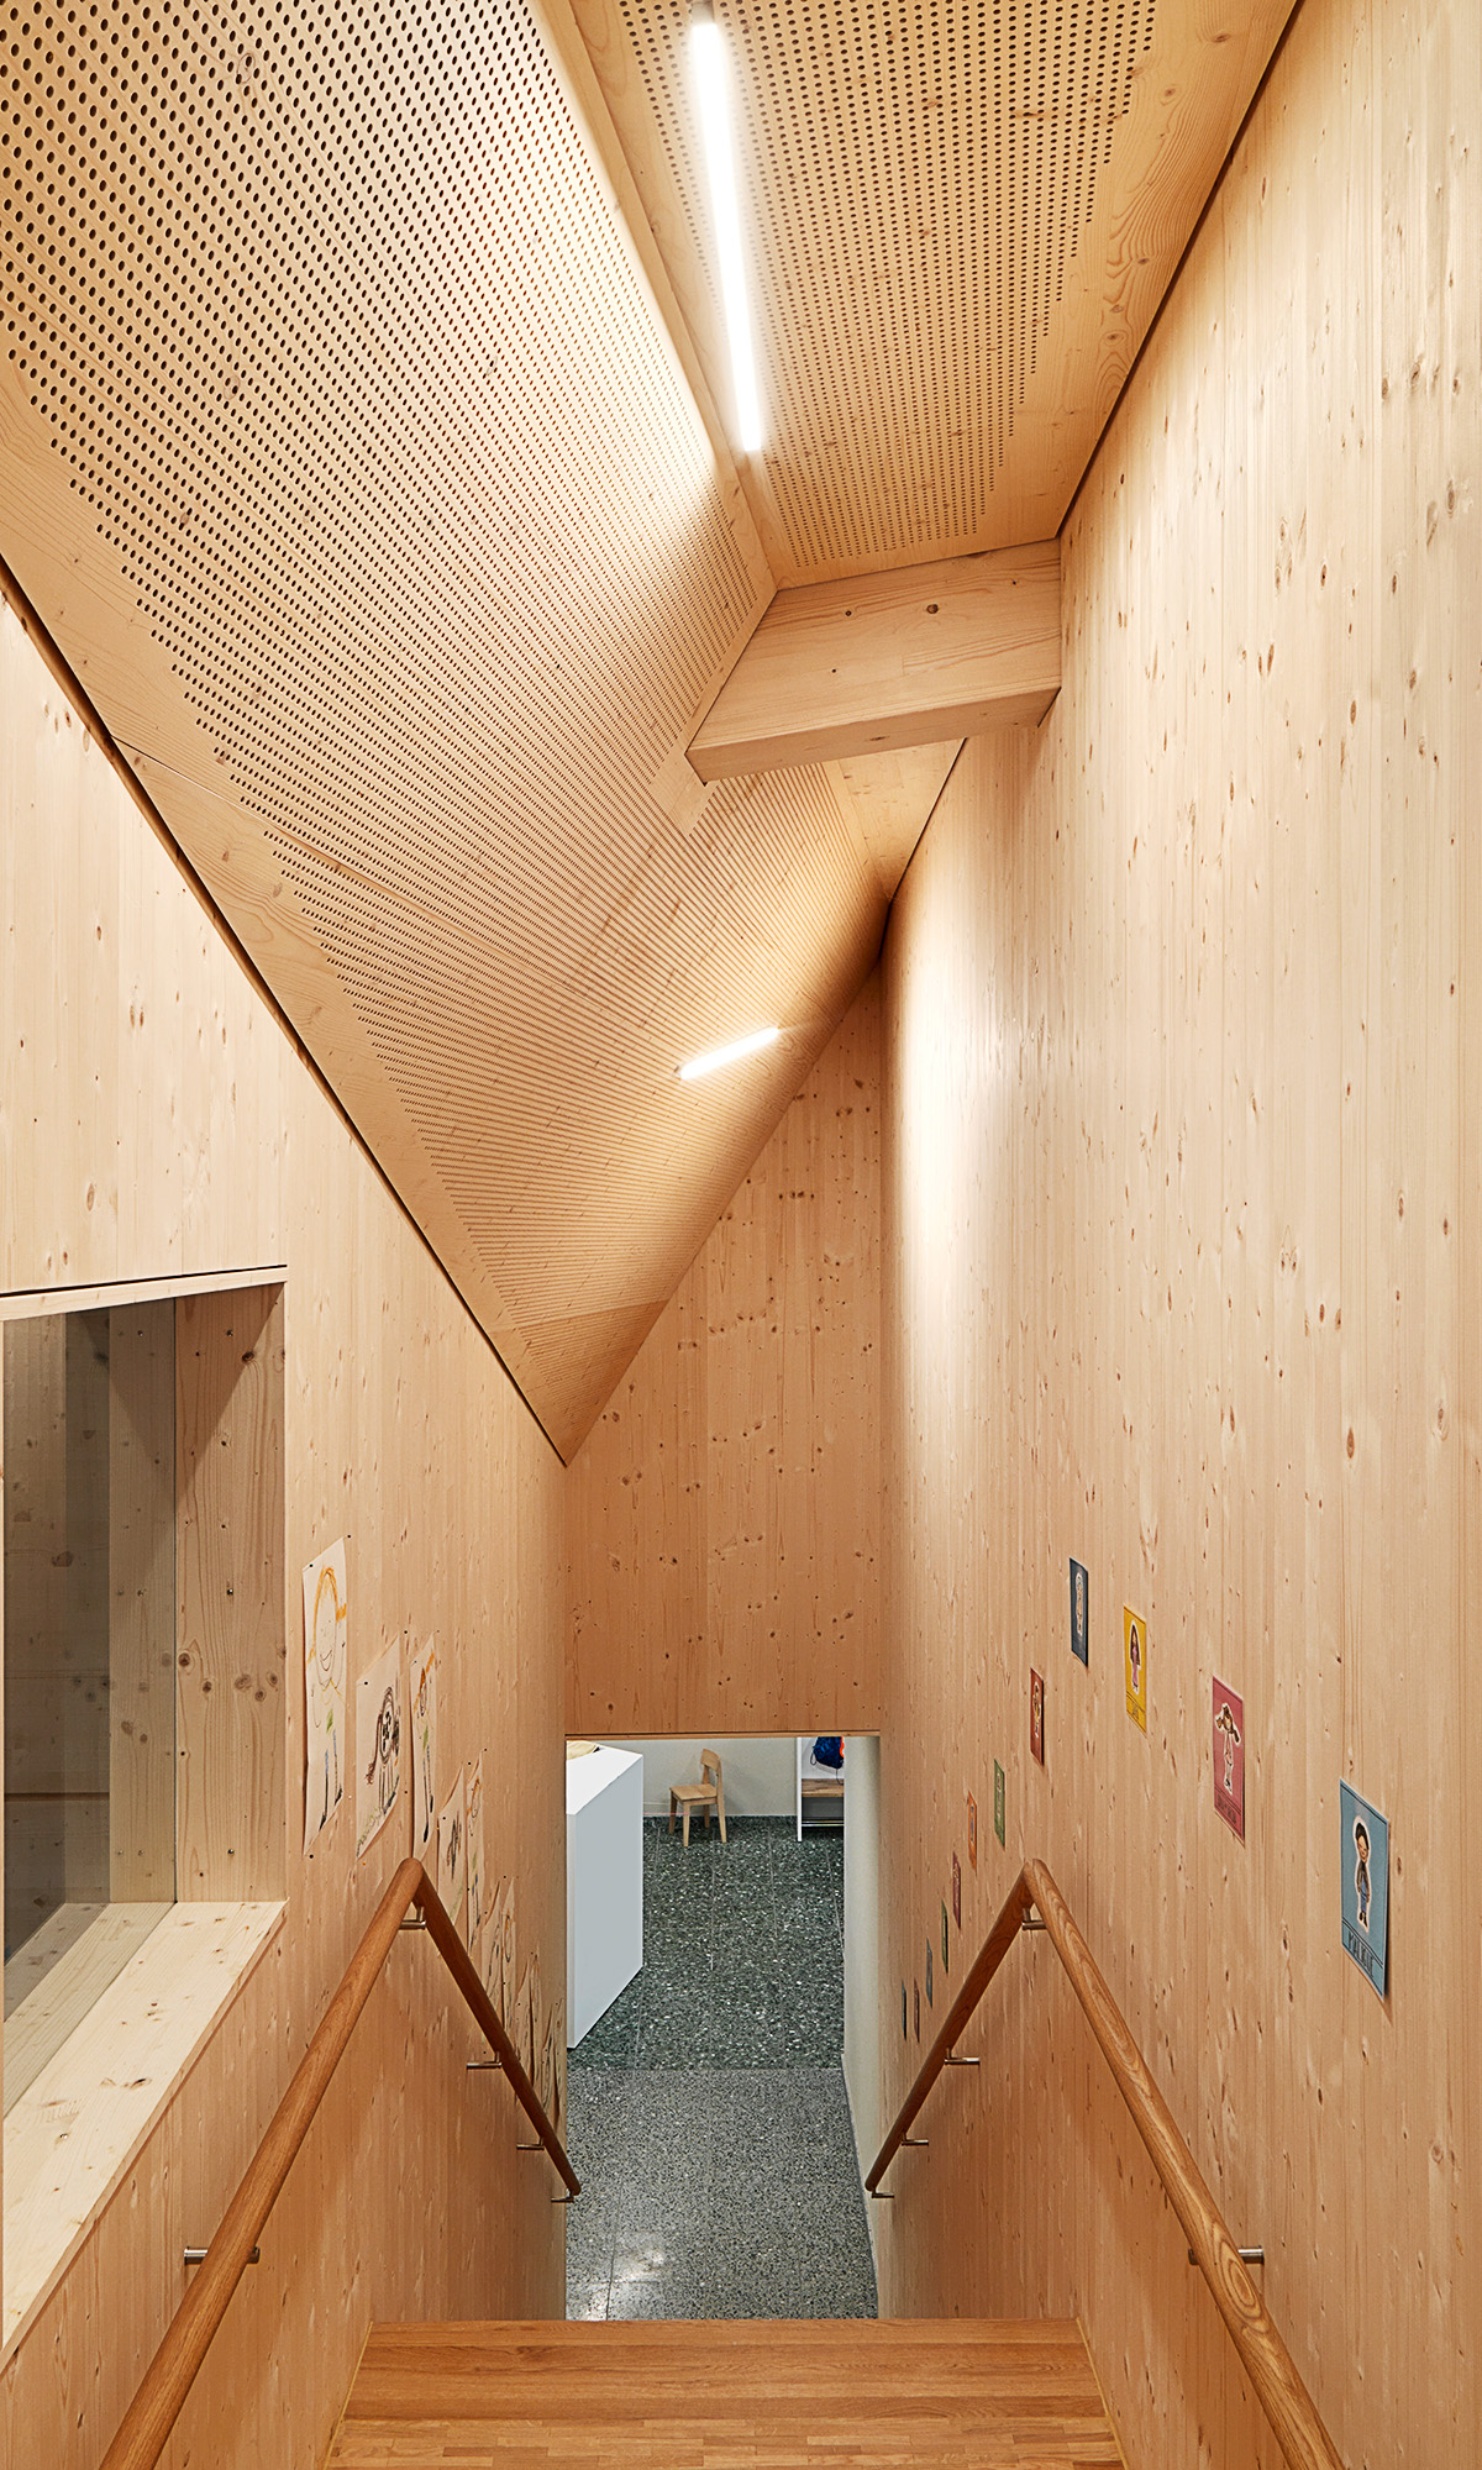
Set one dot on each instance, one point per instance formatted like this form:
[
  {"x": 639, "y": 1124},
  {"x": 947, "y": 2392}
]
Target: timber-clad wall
[
  {"x": 1183, "y": 1275},
  {"x": 724, "y": 1513},
  {"x": 155, "y": 1121}
]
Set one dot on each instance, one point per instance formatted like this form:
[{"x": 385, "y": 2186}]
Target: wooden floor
[{"x": 746, "y": 2396}]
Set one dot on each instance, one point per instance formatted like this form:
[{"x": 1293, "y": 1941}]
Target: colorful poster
[
  {"x": 452, "y": 1855},
  {"x": 1037, "y": 1716},
  {"x": 1135, "y": 1658},
  {"x": 972, "y": 1831},
  {"x": 422, "y": 1702},
  {"x": 478, "y": 1913},
  {"x": 1229, "y": 1757},
  {"x": 946, "y": 1943},
  {"x": 326, "y": 1666},
  {"x": 957, "y": 1890},
  {"x": 998, "y": 1802},
  {"x": 1080, "y": 1613},
  {"x": 1364, "y": 1855},
  {"x": 377, "y": 1747}
]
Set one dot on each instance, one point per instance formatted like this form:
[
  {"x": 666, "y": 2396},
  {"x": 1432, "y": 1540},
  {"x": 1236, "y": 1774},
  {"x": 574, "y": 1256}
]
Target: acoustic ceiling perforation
[
  {"x": 565, "y": 1251},
  {"x": 337, "y": 400},
  {"x": 918, "y": 181},
  {"x": 962, "y": 215}
]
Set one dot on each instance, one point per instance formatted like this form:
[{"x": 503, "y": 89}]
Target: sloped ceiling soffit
[{"x": 360, "y": 446}]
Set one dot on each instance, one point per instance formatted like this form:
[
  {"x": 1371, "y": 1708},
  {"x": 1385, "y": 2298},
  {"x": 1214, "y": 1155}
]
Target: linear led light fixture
[
  {"x": 712, "y": 90},
  {"x": 699, "y": 1065}
]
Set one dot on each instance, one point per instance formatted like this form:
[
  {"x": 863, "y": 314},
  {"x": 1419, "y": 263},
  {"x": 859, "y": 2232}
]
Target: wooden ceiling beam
[{"x": 904, "y": 658}]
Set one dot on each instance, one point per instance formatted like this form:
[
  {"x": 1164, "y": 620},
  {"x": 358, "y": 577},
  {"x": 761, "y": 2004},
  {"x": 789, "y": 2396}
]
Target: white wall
[
  {"x": 862, "y": 1944},
  {"x": 760, "y": 1772}
]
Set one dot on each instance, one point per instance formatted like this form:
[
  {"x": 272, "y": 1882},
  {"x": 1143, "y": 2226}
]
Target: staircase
[{"x": 980, "y": 2395}]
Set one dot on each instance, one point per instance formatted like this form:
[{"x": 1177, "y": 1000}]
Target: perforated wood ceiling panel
[
  {"x": 962, "y": 215},
  {"x": 347, "y": 455}
]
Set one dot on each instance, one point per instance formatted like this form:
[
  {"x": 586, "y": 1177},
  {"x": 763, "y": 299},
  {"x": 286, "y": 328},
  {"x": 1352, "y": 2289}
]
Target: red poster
[
  {"x": 1229, "y": 1758},
  {"x": 1037, "y": 1716}
]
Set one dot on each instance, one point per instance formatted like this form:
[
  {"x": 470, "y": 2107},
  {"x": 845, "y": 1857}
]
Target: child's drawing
[
  {"x": 377, "y": 1746},
  {"x": 474, "y": 1861},
  {"x": 326, "y": 1649},
  {"x": 422, "y": 1700},
  {"x": 452, "y": 1853}
]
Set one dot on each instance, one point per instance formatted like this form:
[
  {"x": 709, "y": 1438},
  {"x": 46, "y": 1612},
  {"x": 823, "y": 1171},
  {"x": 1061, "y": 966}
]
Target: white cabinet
[{"x": 604, "y": 1883}]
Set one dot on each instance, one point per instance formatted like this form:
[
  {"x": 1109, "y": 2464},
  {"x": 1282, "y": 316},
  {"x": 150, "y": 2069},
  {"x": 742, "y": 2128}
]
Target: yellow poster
[{"x": 1135, "y": 1656}]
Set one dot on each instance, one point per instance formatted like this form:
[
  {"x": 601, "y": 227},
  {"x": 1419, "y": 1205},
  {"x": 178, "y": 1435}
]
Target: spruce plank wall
[
  {"x": 1183, "y": 1258},
  {"x": 156, "y": 1121},
  {"x": 724, "y": 1513}
]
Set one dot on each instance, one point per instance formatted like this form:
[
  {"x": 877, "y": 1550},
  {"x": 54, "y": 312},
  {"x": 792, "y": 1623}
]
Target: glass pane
[{"x": 89, "y": 1406}]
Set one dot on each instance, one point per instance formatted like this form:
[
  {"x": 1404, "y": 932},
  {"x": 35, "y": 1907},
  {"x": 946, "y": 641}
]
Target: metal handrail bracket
[{"x": 145, "y": 2427}]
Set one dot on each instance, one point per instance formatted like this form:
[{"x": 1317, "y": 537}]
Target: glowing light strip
[
  {"x": 712, "y": 89},
  {"x": 699, "y": 1065}
]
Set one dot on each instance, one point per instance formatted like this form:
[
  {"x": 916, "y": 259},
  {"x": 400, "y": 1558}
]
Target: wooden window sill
[{"x": 73, "y": 2133}]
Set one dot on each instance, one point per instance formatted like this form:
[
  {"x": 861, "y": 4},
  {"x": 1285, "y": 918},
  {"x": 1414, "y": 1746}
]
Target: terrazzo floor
[{"x": 707, "y": 2114}]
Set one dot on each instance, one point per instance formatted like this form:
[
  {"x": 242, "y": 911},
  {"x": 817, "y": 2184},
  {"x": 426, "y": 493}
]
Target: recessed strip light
[
  {"x": 712, "y": 91},
  {"x": 699, "y": 1065}
]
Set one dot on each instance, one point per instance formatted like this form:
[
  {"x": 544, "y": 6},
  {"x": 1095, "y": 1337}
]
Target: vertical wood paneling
[
  {"x": 231, "y": 1815},
  {"x": 155, "y": 1121},
  {"x": 141, "y": 1590},
  {"x": 1183, "y": 1245},
  {"x": 724, "y": 1513}
]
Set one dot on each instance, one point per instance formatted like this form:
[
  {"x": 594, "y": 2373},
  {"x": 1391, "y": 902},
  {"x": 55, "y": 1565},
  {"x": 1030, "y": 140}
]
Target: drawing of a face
[
  {"x": 328, "y": 1637},
  {"x": 1361, "y": 1872},
  {"x": 1225, "y": 1721}
]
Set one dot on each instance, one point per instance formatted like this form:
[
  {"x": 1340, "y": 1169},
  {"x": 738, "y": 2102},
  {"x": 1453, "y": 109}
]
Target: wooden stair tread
[{"x": 681, "y": 2395}]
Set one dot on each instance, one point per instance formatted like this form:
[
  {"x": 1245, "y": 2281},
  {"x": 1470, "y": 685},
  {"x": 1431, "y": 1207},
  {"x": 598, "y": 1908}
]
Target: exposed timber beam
[{"x": 903, "y": 658}]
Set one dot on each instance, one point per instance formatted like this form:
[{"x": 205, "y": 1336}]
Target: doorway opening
[{"x": 709, "y": 2112}]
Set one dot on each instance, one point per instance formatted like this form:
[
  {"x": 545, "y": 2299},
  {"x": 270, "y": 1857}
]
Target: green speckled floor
[{"x": 708, "y": 2117}]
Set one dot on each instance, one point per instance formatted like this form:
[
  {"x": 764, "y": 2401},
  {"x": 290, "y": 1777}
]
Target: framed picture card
[
  {"x": 1080, "y": 1613},
  {"x": 957, "y": 1890},
  {"x": 998, "y": 1801},
  {"x": 1037, "y": 1717},
  {"x": 1364, "y": 1858},
  {"x": 1135, "y": 1659},
  {"x": 1229, "y": 1757},
  {"x": 972, "y": 1832}
]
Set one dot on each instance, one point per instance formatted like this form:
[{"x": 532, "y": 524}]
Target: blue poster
[
  {"x": 1080, "y": 1612},
  {"x": 1364, "y": 1857}
]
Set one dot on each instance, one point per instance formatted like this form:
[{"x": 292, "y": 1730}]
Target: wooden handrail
[
  {"x": 1272, "y": 2370},
  {"x": 145, "y": 2427}
]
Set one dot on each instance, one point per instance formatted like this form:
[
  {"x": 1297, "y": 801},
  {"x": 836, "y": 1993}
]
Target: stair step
[{"x": 980, "y": 2394}]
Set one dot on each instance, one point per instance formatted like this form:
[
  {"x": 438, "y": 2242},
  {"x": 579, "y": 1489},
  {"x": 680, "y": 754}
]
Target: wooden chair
[{"x": 709, "y": 1794}]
